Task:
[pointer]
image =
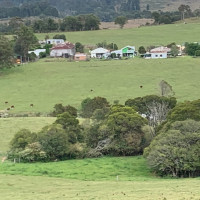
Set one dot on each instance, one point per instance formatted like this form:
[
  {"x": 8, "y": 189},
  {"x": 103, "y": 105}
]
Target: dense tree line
[
  {"x": 80, "y": 23},
  {"x": 29, "y": 9},
  {"x": 107, "y": 10},
  {"x": 47, "y": 24}
]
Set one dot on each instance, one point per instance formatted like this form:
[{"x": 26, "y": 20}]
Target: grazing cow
[
  {"x": 6, "y": 102},
  {"x": 8, "y": 108},
  {"x": 12, "y": 106},
  {"x": 141, "y": 86},
  {"x": 91, "y": 90},
  {"x": 31, "y": 105}
]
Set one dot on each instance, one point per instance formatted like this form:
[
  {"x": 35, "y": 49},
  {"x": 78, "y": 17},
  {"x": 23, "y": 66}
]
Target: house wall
[
  {"x": 60, "y": 52},
  {"x": 93, "y": 55},
  {"x": 55, "y": 41},
  {"x": 159, "y": 55},
  {"x": 80, "y": 58}
]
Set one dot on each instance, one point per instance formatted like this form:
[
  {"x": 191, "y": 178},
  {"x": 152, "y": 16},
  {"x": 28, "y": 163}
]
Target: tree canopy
[
  {"x": 121, "y": 20},
  {"x": 24, "y": 41},
  {"x": 6, "y": 52},
  {"x": 177, "y": 151}
]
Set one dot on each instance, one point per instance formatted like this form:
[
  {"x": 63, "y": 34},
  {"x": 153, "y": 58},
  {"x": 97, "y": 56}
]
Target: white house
[
  {"x": 128, "y": 51},
  {"x": 37, "y": 52},
  {"x": 55, "y": 41},
  {"x": 63, "y": 50},
  {"x": 159, "y": 52},
  {"x": 99, "y": 53}
]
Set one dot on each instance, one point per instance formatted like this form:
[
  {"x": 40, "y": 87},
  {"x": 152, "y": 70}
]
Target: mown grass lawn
[{"x": 46, "y": 83}]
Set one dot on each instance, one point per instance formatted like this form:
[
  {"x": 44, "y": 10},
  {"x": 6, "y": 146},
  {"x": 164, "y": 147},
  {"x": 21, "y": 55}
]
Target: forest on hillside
[{"x": 105, "y": 9}]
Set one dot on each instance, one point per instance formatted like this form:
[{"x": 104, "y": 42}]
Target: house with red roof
[
  {"x": 63, "y": 50},
  {"x": 159, "y": 52}
]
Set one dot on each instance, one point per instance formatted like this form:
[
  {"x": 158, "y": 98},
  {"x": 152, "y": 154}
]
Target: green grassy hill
[
  {"x": 143, "y": 36},
  {"x": 52, "y": 81},
  {"x": 46, "y": 83}
]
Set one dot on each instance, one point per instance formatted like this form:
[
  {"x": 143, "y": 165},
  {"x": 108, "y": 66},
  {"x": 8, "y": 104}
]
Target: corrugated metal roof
[
  {"x": 160, "y": 50},
  {"x": 100, "y": 50}
]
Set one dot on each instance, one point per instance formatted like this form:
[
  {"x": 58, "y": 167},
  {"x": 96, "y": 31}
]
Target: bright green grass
[
  {"x": 146, "y": 36},
  {"x": 107, "y": 168},
  {"x": 40, "y": 188},
  {"x": 9, "y": 126},
  {"x": 46, "y": 83}
]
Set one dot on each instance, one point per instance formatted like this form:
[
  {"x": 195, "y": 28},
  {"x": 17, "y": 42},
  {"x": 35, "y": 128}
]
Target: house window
[
  {"x": 160, "y": 55},
  {"x": 156, "y": 55}
]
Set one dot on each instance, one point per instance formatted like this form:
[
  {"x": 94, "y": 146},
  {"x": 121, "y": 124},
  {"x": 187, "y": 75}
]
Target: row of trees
[{"x": 47, "y": 24}]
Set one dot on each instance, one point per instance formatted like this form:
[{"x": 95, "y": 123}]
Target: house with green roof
[{"x": 128, "y": 51}]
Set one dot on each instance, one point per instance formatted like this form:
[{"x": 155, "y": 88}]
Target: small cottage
[
  {"x": 159, "y": 52},
  {"x": 63, "y": 50},
  {"x": 99, "y": 53},
  {"x": 128, "y": 51}
]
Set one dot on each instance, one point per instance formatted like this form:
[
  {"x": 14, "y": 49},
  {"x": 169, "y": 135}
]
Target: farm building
[
  {"x": 55, "y": 41},
  {"x": 80, "y": 57},
  {"x": 99, "y": 53},
  {"x": 159, "y": 52},
  {"x": 63, "y": 50},
  {"x": 128, "y": 51}
]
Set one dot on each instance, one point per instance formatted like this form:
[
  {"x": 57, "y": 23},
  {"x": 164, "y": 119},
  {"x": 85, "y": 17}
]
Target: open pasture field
[
  {"x": 40, "y": 188},
  {"x": 44, "y": 84},
  {"x": 9, "y": 126},
  {"x": 143, "y": 36}
]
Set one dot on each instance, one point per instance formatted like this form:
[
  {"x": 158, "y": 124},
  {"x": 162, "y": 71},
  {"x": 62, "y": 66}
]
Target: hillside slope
[{"x": 168, "y": 5}]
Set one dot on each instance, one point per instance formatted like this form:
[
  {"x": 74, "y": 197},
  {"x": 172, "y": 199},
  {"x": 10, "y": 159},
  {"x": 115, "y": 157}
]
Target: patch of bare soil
[{"x": 133, "y": 23}]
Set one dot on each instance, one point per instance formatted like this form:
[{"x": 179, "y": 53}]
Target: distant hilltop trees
[{"x": 107, "y": 10}]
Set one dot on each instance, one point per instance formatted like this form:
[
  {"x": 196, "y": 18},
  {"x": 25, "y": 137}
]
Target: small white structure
[
  {"x": 99, "y": 53},
  {"x": 180, "y": 50},
  {"x": 63, "y": 50},
  {"x": 159, "y": 52},
  {"x": 128, "y": 51},
  {"x": 37, "y": 52},
  {"x": 55, "y": 41}
]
